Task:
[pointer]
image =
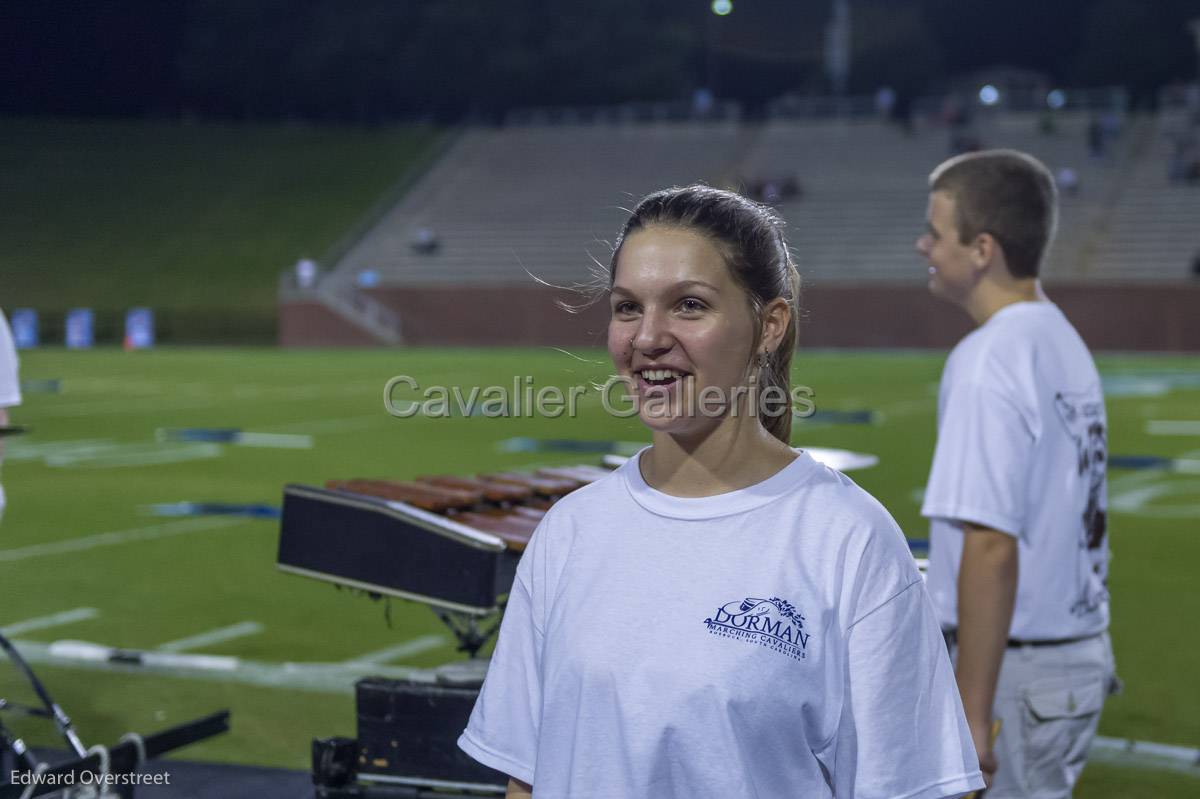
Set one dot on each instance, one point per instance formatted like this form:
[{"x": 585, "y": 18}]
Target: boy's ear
[{"x": 984, "y": 249}]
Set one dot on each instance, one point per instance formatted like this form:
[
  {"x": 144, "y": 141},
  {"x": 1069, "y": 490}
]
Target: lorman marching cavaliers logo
[{"x": 773, "y": 623}]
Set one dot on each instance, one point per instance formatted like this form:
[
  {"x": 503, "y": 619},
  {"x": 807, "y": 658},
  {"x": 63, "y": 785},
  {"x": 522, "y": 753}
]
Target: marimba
[{"x": 452, "y": 543}]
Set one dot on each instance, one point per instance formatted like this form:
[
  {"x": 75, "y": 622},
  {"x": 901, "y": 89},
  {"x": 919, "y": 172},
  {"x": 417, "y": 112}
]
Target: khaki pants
[{"x": 1048, "y": 702}]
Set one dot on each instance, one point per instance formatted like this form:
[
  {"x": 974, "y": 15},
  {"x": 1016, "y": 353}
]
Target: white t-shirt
[
  {"x": 1021, "y": 448},
  {"x": 10, "y": 383},
  {"x": 774, "y": 641}
]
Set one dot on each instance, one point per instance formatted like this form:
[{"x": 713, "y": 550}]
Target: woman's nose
[{"x": 653, "y": 335}]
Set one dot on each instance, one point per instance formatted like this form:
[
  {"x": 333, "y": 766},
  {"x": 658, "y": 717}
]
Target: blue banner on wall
[
  {"x": 80, "y": 332},
  {"x": 24, "y": 324},
  {"x": 139, "y": 329}
]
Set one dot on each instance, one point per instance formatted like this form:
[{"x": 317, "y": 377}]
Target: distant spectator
[
  {"x": 703, "y": 103},
  {"x": 902, "y": 112},
  {"x": 773, "y": 190},
  {"x": 1067, "y": 180},
  {"x": 885, "y": 101},
  {"x": 1110, "y": 123},
  {"x": 425, "y": 241},
  {"x": 964, "y": 141},
  {"x": 1184, "y": 163},
  {"x": 367, "y": 279},
  {"x": 1047, "y": 124},
  {"x": 1095, "y": 138},
  {"x": 306, "y": 273},
  {"x": 955, "y": 113},
  {"x": 1191, "y": 101}
]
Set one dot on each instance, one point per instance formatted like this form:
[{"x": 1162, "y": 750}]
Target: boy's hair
[{"x": 1005, "y": 193}]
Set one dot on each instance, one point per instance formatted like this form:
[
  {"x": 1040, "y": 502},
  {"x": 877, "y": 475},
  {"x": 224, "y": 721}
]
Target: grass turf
[
  {"x": 117, "y": 214},
  {"x": 156, "y": 591}
]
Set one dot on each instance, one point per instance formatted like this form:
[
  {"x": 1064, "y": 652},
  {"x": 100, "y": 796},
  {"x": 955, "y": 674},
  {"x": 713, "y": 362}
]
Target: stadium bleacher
[
  {"x": 1155, "y": 226},
  {"x": 503, "y": 201},
  {"x": 546, "y": 199},
  {"x": 517, "y": 205}
]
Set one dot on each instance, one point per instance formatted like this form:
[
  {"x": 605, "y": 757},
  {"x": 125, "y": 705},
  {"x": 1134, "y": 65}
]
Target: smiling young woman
[{"x": 722, "y": 616}]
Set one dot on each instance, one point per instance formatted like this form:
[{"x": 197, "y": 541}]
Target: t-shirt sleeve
[
  {"x": 503, "y": 729},
  {"x": 902, "y": 733},
  {"x": 981, "y": 462},
  {"x": 10, "y": 384}
]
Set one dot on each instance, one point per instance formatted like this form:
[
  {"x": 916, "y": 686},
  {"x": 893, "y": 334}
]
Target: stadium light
[
  {"x": 989, "y": 95},
  {"x": 722, "y": 8},
  {"x": 1056, "y": 99}
]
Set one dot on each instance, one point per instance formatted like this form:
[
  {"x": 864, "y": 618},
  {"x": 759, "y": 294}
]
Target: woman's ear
[{"x": 775, "y": 318}]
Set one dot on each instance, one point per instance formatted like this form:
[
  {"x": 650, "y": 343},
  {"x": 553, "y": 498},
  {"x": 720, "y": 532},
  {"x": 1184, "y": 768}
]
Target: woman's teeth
[{"x": 660, "y": 374}]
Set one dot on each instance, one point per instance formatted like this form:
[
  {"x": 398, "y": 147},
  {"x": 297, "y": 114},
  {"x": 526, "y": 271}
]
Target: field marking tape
[
  {"x": 1145, "y": 754},
  {"x": 406, "y": 649},
  {"x": 339, "y": 678},
  {"x": 1173, "y": 427},
  {"x": 217, "y": 636},
  {"x": 53, "y": 620},
  {"x": 98, "y": 653},
  {"x": 328, "y": 678},
  {"x": 116, "y": 538}
]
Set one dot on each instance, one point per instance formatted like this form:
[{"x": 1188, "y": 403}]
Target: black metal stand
[{"x": 122, "y": 759}]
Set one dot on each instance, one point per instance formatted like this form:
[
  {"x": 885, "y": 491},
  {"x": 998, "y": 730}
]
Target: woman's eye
[
  {"x": 691, "y": 304},
  {"x": 623, "y": 307}
]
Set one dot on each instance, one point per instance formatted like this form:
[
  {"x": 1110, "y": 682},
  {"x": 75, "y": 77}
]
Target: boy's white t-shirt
[
  {"x": 774, "y": 641},
  {"x": 1021, "y": 448}
]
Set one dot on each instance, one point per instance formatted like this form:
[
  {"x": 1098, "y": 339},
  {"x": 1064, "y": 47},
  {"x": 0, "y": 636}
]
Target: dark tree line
[{"x": 375, "y": 60}]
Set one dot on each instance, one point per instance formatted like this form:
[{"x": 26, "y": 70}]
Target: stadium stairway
[
  {"x": 1154, "y": 230},
  {"x": 543, "y": 201}
]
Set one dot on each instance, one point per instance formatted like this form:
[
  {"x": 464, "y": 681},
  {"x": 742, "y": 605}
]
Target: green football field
[
  {"x": 195, "y": 220},
  {"x": 83, "y": 558}
]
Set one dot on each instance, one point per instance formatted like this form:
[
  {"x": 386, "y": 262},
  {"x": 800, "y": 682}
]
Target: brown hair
[
  {"x": 750, "y": 238},
  {"x": 1007, "y": 194}
]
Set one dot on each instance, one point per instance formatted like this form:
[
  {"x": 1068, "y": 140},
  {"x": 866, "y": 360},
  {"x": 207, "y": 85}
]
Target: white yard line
[
  {"x": 1173, "y": 427},
  {"x": 53, "y": 620},
  {"x": 152, "y": 454},
  {"x": 134, "y": 406},
  {"x": 115, "y": 538},
  {"x": 274, "y": 440},
  {"x": 211, "y": 637},
  {"x": 19, "y": 450},
  {"x": 344, "y": 424},
  {"x": 406, "y": 649}
]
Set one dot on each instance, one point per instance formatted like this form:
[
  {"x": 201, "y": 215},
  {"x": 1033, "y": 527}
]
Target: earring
[{"x": 763, "y": 360}]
